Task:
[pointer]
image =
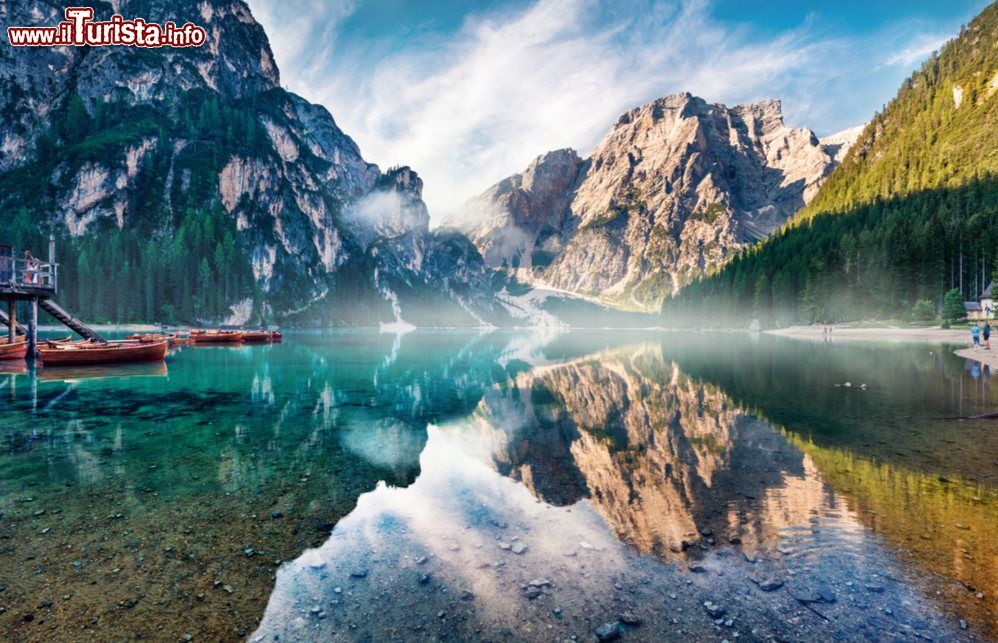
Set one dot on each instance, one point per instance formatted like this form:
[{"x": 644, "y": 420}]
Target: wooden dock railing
[{"x": 22, "y": 276}]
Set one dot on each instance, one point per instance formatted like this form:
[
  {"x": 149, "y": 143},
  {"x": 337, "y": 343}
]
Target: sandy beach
[
  {"x": 985, "y": 357},
  {"x": 934, "y": 334}
]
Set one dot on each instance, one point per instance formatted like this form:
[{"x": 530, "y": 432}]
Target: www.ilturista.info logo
[{"x": 79, "y": 29}]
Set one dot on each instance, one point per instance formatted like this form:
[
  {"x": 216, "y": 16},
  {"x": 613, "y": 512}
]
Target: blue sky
[{"x": 468, "y": 92}]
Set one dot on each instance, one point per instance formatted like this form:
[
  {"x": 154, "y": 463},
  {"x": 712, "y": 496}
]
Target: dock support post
[
  {"x": 12, "y": 318},
  {"x": 32, "y": 326}
]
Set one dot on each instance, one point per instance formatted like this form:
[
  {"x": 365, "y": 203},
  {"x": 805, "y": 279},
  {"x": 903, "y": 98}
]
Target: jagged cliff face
[
  {"x": 522, "y": 219},
  {"x": 673, "y": 189},
  {"x": 236, "y": 61},
  {"x": 323, "y": 230}
]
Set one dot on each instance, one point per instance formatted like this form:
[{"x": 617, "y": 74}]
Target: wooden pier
[{"x": 24, "y": 278}]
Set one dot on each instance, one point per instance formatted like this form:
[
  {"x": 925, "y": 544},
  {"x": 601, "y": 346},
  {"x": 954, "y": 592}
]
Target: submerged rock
[
  {"x": 768, "y": 584},
  {"x": 608, "y": 631},
  {"x": 630, "y": 618},
  {"x": 713, "y": 609}
]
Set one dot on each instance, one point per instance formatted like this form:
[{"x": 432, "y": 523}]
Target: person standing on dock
[
  {"x": 987, "y": 336},
  {"x": 30, "y": 267},
  {"x": 975, "y": 334}
]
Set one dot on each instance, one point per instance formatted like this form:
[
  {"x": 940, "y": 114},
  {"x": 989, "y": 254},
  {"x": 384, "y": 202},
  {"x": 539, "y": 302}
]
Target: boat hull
[
  {"x": 114, "y": 354},
  {"x": 17, "y": 350},
  {"x": 216, "y": 338}
]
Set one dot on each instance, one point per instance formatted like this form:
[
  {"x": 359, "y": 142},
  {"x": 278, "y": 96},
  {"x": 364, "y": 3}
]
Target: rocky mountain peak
[
  {"x": 403, "y": 179},
  {"x": 549, "y": 169},
  {"x": 518, "y": 222},
  {"x": 673, "y": 188}
]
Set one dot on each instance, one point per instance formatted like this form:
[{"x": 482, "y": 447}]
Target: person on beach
[
  {"x": 986, "y": 331},
  {"x": 975, "y": 334}
]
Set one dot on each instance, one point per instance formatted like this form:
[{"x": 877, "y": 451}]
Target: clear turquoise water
[{"x": 145, "y": 495}]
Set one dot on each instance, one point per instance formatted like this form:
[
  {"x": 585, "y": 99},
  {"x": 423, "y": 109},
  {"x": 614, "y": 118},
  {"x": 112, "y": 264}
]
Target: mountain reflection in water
[
  {"x": 433, "y": 477},
  {"x": 543, "y": 512}
]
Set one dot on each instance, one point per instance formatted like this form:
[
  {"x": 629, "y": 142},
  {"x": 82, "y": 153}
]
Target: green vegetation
[
  {"x": 630, "y": 202},
  {"x": 911, "y": 213},
  {"x": 174, "y": 257},
  {"x": 117, "y": 275},
  {"x": 923, "y": 311},
  {"x": 953, "y": 308},
  {"x": 655, "y": 288},
  {"x": 710, "y": 214}
]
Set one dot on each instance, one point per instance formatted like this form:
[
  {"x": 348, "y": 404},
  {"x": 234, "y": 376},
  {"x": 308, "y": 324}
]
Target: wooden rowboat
[
  {"x": 174, "y": 339},
  {"x": 256, "y": 336},
  {"x": 57, "y": 354},
  {"x": 151, "y": 337},
  {"x": 17, "y": 350},
  {"x": 277, "y": 337},
  {"x": 216, "y": 336}
]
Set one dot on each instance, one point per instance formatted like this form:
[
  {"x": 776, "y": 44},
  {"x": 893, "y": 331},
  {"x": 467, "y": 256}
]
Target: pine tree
[{"x": 953, "y": 308}]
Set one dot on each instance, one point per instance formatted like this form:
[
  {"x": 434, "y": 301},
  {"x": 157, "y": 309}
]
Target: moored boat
[
  {"x": 60, "y": 354},
  {"x": 173, "y": 338},
  {"x": 152, "y": 337},
  {"x": 256, "y": 336},
  {"x": 276, "y": 336},
  {"x": 70, "y": 340},
  {"x": 17, "y": 350},
  {"x": 216, "y": 336}
]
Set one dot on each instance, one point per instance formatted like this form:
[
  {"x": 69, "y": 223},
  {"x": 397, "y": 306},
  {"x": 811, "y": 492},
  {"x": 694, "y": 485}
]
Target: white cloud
[
  {"x": 920, "y": 48},
  {"x": 469, "y": 108},
  {"x": 302, "y": 38}
]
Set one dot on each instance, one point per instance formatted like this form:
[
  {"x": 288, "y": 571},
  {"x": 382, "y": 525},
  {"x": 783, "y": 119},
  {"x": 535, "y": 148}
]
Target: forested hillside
[
  {"x": 137, "y": 272},
  {"x": 911, "y": 212}
]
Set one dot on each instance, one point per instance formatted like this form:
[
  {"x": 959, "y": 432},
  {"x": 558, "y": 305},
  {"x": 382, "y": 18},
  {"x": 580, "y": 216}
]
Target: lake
[{"x": 507, "y": 485}]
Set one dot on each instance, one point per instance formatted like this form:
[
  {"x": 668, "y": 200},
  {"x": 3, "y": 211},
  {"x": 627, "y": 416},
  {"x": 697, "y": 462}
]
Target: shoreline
[
  {"x": 934, "y": 334},
  {"x": 926, "y": 334},
  {"x": 986, "y": 357},
  {"x": 930, "y": 334}
]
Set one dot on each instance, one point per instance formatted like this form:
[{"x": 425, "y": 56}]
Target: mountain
[
  {"x": 911, "y": 212},
  {"x": 188, "y": 185},
  {"x": 839, "y": 143},
  {"x": 674, "y": 189}
]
